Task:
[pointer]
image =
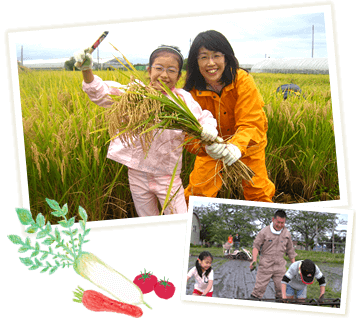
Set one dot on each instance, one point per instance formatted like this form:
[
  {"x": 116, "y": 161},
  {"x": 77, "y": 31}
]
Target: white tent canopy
[
  {"x": 249, "y": 62},
  {"x": 292, "y": 65},
  {"x": 46, "y": 64}
]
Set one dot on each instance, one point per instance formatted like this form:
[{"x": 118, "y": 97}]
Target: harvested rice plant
[{"x": 66, "y": 154}]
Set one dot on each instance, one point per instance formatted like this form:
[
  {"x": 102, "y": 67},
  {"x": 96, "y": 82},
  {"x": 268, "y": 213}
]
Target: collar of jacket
[
  {"x": 206, "y": 92},
  {"x": 274, "y": 231}
]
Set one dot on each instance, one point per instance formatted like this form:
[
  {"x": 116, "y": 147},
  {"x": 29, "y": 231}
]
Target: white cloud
[{"x": 281, "y": 33}]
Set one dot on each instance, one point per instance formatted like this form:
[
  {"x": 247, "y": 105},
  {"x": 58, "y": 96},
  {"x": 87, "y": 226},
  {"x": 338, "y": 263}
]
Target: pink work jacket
[{"x": 166, "y": 148}]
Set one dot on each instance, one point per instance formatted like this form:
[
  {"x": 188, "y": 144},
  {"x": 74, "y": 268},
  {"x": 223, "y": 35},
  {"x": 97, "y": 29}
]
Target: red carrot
[{"x": 96, "y": 301}]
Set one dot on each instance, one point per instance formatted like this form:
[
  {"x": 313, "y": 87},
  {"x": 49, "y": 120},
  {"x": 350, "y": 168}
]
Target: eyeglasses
[
  {"x": 169, "y": 70},
  {"x": 215, "y": 57}
]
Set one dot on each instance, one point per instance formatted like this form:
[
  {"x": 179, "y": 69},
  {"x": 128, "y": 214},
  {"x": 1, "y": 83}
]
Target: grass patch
[{"x": 316, "y": 257}]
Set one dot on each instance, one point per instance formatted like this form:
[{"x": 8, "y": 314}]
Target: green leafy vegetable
[{"x": 63, "y": 247}]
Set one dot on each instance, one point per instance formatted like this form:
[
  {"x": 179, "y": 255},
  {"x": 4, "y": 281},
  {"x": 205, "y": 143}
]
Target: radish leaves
[{"x": 69, "y": 241}]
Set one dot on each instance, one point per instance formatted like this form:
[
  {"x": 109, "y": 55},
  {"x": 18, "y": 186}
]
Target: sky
[{"x": 281, "y": 33}]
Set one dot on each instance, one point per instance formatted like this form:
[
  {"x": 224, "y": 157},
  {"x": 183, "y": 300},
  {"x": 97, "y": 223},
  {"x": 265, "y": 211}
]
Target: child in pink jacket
[{"x": 150, "y": 176}]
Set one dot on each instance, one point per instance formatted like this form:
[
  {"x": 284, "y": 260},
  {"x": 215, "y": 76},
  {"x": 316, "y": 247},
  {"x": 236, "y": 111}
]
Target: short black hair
[
  {"x": 213, "y": 41},
  {"x": 281, "y": 213}
]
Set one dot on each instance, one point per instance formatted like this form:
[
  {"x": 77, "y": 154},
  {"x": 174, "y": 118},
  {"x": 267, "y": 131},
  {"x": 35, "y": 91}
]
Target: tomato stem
[
  {"x": 164, "y": 282},
  {"x": 145, "y": 275}
]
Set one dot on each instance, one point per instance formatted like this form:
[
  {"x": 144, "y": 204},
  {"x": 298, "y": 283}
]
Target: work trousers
[
  {"x": 146, "y": 188},
  {"x": 206, "y": 180},
  {"x": 264, "y": 275}
]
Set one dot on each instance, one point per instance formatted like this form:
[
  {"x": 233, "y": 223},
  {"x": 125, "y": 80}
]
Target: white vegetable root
[{"x": 103, "y": 276}]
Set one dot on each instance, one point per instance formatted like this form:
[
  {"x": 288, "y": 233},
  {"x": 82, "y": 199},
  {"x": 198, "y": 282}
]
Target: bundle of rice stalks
[{"x": 142, "y": 112}]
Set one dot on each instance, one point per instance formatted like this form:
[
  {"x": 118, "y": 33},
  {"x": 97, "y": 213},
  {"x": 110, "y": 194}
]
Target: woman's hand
[
  {"x": 233, "y": 154},
  {"x": 216, "y": 150}
]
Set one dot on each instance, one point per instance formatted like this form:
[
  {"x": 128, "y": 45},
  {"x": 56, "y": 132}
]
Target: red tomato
[
  {"x": 164, "y": 289},
  {"x": 146, "y": 282}
]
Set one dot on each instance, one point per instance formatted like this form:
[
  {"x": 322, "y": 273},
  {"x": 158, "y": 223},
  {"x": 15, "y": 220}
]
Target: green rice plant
[
  {"x": 64, "y": 160},
  {"x": 66, "y": 154},
  {"x": 301, "y": 151}
]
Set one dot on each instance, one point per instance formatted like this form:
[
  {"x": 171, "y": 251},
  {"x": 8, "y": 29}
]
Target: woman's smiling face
[
  {"x": 165, "y": 68},
  {"x": 211, "y": 65}
]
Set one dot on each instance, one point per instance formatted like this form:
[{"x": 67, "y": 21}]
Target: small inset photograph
[{"x": 267, "y": 255}]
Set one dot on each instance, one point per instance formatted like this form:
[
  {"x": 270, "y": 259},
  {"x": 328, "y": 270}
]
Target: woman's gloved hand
[
  {"x": 209, "y": 133},
  {"x": 216, "y": 150},
  {"x": 83, "y": 55},
  {"x": 232, "y": 154}
]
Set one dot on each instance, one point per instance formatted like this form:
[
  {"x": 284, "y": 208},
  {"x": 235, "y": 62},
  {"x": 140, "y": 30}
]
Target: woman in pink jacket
[{"x": 150, "y": 176}]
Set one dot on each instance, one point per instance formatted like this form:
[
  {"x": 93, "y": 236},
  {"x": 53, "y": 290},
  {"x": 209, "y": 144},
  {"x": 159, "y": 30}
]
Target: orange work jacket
[{"x": 239, "y": 113}]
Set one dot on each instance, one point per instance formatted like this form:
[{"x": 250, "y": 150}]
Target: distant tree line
[
  {"x": 69, "y": 65},
  {"x": 219, "y": 220}
]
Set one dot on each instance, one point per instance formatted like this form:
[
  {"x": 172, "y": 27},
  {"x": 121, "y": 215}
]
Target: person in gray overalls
[{"x": 272, "y": 242}]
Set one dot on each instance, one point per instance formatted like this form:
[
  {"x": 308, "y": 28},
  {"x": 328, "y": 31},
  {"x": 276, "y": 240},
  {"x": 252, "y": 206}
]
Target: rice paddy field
[{"x": 66, "y": 158}]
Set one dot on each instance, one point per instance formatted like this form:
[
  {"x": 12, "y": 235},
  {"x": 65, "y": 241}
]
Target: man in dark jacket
[{"x": 237, "y": 241}]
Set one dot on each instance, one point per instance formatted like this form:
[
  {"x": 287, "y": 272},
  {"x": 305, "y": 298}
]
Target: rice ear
[{"x": 133, "y": 69}]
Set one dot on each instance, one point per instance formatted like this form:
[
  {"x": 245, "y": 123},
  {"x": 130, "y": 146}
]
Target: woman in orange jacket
[{"x": 218, "y": 84}]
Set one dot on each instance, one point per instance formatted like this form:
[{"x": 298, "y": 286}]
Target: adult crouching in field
[
  {"x": 218, "y": 84},
  {"x": 272, "y": 243}
]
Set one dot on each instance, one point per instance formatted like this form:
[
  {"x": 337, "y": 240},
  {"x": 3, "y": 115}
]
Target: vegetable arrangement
[
  {"x": 85, "y": 264},
  {"x": 147, "y": 282}
]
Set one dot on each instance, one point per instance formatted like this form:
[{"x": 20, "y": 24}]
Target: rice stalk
[
  {"x": 236, "y": 172},
  {"x": 170, "y": 197}
]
